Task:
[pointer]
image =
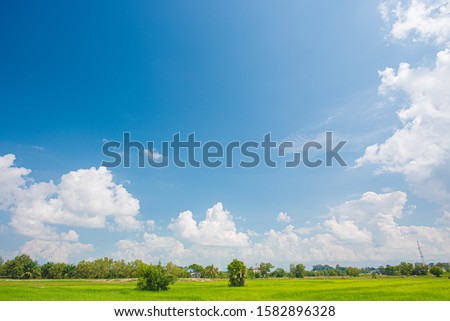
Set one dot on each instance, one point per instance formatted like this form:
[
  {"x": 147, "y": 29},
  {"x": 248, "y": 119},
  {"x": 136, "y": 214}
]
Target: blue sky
[{"x": 74, "y": 75}]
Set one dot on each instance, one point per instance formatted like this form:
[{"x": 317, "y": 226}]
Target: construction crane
[{"x": 420, "y": 252}]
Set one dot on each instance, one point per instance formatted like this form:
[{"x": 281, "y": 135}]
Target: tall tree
[
  {"x": 420, "y": 269},
  {"x": 52, "y": 270},
  {"x": 85, "y": 270},
  {"x": 103, "y": 268},
  {"x": 405, "y": 268},
  {"x": 297, "y": 270},
  {"x": 176, "y": 270},
  {"x": 136, "y": 267},
  {"x": 211, "y": 272},
  {"x": 265, "y": 268},
  {"x": 237, "y": 272},
  {"x": 22, "y": 267}
]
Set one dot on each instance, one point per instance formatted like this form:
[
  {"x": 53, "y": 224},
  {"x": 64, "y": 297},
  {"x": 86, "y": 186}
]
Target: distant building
[{"x": 195, "y": 275}]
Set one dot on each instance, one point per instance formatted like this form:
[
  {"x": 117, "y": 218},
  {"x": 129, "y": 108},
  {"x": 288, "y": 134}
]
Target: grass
[{"x": 314, "y": 289}]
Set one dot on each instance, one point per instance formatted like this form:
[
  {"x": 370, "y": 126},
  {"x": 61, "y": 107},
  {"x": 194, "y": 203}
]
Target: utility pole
[{"x": 420, "y": 252}]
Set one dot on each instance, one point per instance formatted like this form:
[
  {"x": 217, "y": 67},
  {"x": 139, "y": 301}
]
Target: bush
[
  {"x": 352, "y": 271},
  {"x": 436, "y": 271},
  {"x": 237, "y": 272},
  {"x": 155, "y": 278}
]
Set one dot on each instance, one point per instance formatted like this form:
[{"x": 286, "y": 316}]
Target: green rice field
[{"x": 314, "y": 289}]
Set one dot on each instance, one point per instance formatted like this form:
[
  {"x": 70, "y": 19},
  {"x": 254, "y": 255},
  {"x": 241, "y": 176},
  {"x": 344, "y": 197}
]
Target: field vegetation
[{"x": 424, "y": 288}]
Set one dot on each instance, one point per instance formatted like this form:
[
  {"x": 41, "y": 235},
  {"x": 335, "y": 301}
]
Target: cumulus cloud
[
  {"x": 153, "y": 248},
  {"x": 283, "y": 217},
  {"x": 420, "y": 148},
  {"x": 217, "y": 229},
  {"x": 11, "y": 180},
  {"x": 364, "y": 229},
  {"x": 444, "y": 219},
  {"x": 55, "y": 251},
  {"x": 213, "y": 240},
  {"x": 424, "y": 20},
  {"x": 151, "y": 225},
  {"x": 84, "y": 198}
]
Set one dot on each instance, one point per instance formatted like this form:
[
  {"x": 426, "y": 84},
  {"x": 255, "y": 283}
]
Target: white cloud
[
  {"x": 347, "y": 230},
  {"x": 152, "y": 249},
  {"x": 59, "y": 251},
  {"x": 420, "y": 149},
  {"x": 424, "y": 20},
  {"x": 360, "y": 230},
  {"x": 217, "y": 229},
  {"x": 288, "y": 246},
  {"x": 11, "y": 180},
  {"x": 283, "y": 217},
  {"x": 365, "y": 229},
  {"x": 151, "y": 225},
  {"x": 444, "y": 219},
  {"x": 86, "y": 197}
]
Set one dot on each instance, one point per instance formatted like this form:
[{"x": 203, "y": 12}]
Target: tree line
[{"x": 24, "y": 267}]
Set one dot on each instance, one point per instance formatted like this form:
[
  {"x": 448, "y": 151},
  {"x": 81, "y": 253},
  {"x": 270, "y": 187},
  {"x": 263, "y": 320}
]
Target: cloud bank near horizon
[{"x": 358, "y": 230}]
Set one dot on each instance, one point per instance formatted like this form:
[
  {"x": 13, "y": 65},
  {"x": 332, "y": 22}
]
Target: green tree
[
  {"x": 69, "y": 271},
  {"x": 237, "y": 273},
  {"x": 1, "y": 266},
  {"x": 136, "y": 267},
  {"x": 197, "y": 268},
  {"x": 177, "y": 271},
  {"x": 420, "y": 269},
  {"x": 22, "y": 267},
  {"x": 120, "y": 270},
  {"x": 278, "y": 273},
  {"x": 250, "y": 273},
  {"x": 352, "y": 271},
  {"x": 320, "y": 267},
  {"x": 155, "y": 278},
  {"x": 436, "y": 271},
  {"x": 265, "y": 268},
  {"x": 391, "y": 270},
  {"x": 102, "y": 268},
  {"x": 405, "y": 268},
  {"x": 85, "y": 270},
  {"x": 211, "y": 272},
  {"x": 52, "y": 270},
  {"x": 444, "y": 266},
  {"x": 297, "y": 271}
]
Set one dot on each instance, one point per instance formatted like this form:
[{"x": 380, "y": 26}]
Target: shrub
[
  {"x": 237, "y": 272},
  {"x": 155, "y": 278},
  {"x": 436, "y": 271}
]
